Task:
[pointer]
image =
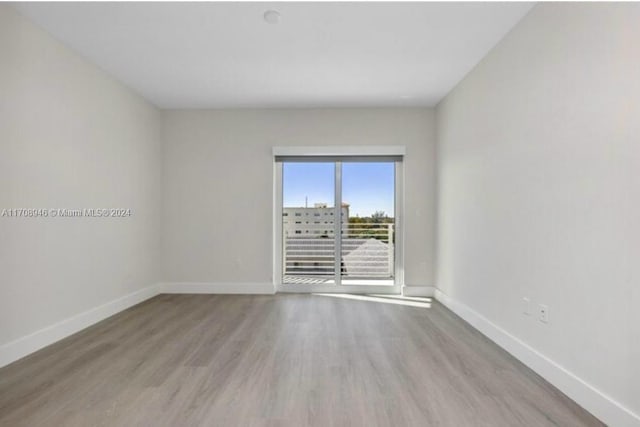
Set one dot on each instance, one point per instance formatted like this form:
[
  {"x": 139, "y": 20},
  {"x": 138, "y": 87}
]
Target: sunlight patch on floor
[
  {"x": 404, "y": 298},
  {"x": 422, "y": 302}
]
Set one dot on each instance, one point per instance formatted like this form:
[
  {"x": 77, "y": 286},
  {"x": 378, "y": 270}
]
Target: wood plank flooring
[{"x": 282, "y": 360}]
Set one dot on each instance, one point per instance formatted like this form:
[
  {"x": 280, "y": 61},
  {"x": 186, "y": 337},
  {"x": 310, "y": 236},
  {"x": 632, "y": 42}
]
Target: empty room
[{"x": 319, "y": 214}]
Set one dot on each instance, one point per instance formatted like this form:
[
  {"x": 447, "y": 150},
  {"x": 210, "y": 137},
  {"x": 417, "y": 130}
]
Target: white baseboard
[
  {"x": 14, "y": 350},
  {"x": 418, "y": 291},
  {"x": 593, "y": 400},
  {"x": 216, "y": 288}
]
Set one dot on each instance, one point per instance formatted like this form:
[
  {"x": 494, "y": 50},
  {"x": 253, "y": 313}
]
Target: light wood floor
[{"x": 287, "y": 360}]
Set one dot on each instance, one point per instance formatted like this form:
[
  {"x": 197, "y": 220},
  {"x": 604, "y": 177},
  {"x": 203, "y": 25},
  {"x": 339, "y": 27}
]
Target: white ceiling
[{"x": 217, "y": 55}]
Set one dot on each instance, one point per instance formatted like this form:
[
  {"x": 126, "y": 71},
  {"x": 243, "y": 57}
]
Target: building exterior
[{"x": 312, "y": 222}]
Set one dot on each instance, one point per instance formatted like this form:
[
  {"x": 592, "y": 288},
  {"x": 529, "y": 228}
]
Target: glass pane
[
  {"x": 308, "y": 215},
  {"x": 368, "y": 241}
]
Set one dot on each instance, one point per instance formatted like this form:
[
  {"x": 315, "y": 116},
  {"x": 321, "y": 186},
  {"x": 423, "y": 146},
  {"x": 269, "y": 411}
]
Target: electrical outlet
[
  {"x": 526, "y": 306},
  {"x": 543, "y": 312}
]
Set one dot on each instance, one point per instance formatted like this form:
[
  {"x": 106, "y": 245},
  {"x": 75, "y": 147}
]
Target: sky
[{"x": 367, "y": 187}]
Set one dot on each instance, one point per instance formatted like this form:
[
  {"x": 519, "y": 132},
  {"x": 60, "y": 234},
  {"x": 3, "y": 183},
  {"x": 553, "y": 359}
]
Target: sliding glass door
[
  {"x": 339, "y": 222},
  {"x": 308, "y": 218},
  {"x": 367, "y": 249}
]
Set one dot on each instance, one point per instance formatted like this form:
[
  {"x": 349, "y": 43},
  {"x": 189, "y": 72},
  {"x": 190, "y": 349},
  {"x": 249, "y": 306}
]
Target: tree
[
  {"x": 373, "y": 226},
  {"x": 378, "y": 216}
]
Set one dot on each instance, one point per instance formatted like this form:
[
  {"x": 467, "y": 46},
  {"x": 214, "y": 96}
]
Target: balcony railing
[{"x": 367, "y": 251}]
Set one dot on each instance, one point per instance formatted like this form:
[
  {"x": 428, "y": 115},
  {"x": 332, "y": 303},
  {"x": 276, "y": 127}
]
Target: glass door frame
[{"x": 338, "y": 287}]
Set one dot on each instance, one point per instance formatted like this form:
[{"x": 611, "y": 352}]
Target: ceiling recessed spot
[{"x": 272, "y": 16}]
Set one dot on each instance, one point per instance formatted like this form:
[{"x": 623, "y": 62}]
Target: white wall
[
  {"x": 219, "y": 184},
  {"x": 539, "y": 190},
  {"x": 70, "y": 137}
]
